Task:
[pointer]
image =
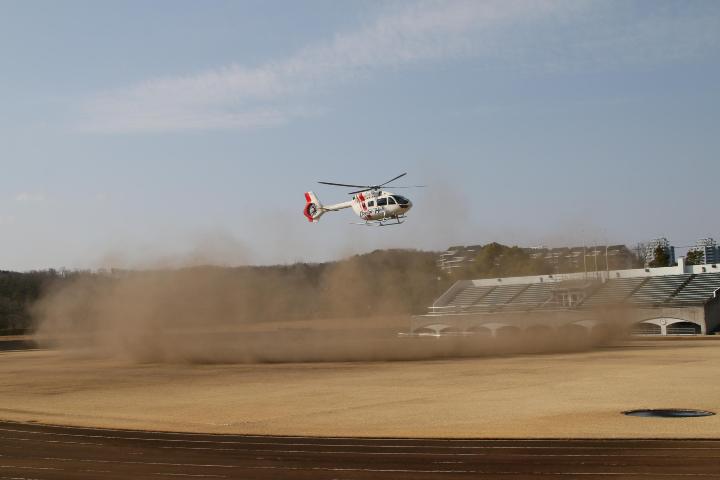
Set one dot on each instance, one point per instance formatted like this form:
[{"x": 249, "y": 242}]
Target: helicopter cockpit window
[
  {"x": 382, "y": 202},
  {"x": 391, "y": 201},
  {"x": 401, "y": 200},
  {"x": 371, "y": 203}
]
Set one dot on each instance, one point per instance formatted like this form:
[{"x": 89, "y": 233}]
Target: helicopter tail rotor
[{"x": 313, "y": 208}]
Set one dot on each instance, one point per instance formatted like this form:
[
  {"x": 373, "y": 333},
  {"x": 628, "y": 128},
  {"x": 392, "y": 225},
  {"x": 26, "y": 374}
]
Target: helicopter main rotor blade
[
  {"x": 365, "y": 189},
  {"x": 405, "y": 186},
  {"x": 392, "y": 179},
  {"x": 344, "y": 185}
]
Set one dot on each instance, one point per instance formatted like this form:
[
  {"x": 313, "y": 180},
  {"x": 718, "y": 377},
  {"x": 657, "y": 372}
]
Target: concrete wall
[
  {"x": 665, "y": 317},
  {"x": 619, "y": 317},
  {"x": 712, "y": 315}
]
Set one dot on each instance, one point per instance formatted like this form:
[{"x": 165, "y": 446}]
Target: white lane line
[
  {"x": 342, "y": 469},
  {"x": 19, "y": 478},
  {"x": 637, "y": 474},
  {"x": 21, "y": 439},
  {"x": 430, "y": 447},
  {"x": 334, "y": 452},
  {"x": 485, "y": 472},
  {"x": 29, "y": 468},
  {"x": 427, "y": 454},
  {"x": 371, "y": 470},
  {"x": 128, "y": 462},
  {"x": 189, "y": 475},
  {"x": 309, "y": 437},
  {"x": 557, "y": 443}
]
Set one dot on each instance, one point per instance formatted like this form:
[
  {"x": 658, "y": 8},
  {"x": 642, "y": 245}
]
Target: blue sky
[{"x": 170, "y": 132}]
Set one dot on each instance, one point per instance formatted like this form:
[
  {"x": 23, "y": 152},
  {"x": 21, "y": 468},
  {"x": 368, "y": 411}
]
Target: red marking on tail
[{"x": 306, "y": 210}]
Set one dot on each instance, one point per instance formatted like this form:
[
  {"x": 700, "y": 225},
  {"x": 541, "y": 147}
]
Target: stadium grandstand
[{"x": 678, "y": 300}]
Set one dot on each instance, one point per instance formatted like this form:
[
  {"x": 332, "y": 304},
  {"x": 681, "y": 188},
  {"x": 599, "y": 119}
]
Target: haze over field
[
  {"x": 346, "y": 311},
  {"x": 532, "y": 122}
]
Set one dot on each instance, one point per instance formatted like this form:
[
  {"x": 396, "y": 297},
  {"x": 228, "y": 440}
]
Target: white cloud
[
  {"x": 238, "y": 97},
  {"x": 272, "y": 94},
  {"x": 30, "y": 197}
]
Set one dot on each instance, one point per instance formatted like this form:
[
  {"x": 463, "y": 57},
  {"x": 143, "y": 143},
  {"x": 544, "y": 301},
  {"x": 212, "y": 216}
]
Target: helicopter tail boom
[{"x": 314, "y": 209}]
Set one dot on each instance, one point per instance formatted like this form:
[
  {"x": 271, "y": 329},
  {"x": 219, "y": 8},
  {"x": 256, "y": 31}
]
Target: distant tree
[
  {"x": 640, "y": 259},
  {"x": 17, "y": 292},
  {"x": 497, "y": 260},
  {"x": 694, "y": 257},
  {"x": 661, "y": 258}
]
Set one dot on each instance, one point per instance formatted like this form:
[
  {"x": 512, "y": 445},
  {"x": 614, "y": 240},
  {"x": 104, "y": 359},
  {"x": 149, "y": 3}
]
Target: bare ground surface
[{"x": 568, "y": 395}]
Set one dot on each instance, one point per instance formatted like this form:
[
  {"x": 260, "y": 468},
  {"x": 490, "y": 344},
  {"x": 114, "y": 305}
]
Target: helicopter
[{"x": 373, "y": 205}]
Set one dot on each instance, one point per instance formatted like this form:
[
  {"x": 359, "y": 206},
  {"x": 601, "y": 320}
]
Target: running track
[{"x": 34, "y": 451}]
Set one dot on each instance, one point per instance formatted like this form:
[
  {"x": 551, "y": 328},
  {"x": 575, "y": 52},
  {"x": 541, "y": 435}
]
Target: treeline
[
  {"x": 18, "y": 291},
  {"x": 381, "y": 282},
  {"x": 497, "y": 260}
]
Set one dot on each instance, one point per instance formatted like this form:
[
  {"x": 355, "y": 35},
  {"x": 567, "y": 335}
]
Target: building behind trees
[
  {"x": 494, "y": 259},
  {"x": 659, "y": 253},
  {"x": 705, "y": 251}
]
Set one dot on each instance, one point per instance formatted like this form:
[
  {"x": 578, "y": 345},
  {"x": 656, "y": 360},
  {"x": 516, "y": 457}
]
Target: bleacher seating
[
  {"x": 500, "y": 295},
  {"x": 469, "y": 295},
  {"x": 699, "y": 290},
  {"x": 614, "y": 291},
  {"x": 533, "y": 296},
  {"x": 657, "y": 290}
]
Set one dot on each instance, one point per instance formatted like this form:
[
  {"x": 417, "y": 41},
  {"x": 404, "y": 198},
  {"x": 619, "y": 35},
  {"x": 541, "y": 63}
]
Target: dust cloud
[
  {"x": 350, "y": 310},
  {"x": 170, "y": 308}
]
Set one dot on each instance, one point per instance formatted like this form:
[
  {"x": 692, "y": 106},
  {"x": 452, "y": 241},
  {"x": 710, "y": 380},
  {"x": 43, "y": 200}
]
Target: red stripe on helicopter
[
  {"x": 362, "y": 201},
  {"x": 308, "y": 201}
]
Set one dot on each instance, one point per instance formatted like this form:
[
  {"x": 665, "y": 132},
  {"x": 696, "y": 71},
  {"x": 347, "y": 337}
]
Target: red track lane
[{"x": 44, "y": 452}]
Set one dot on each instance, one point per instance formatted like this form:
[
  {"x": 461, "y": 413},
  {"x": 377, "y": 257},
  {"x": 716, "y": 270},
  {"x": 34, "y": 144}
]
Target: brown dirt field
[{"x": 550, "y": 395}]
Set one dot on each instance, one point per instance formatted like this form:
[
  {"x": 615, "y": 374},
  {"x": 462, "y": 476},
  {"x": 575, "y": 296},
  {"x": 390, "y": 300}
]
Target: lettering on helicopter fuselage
[{"x": 371, "y": 212}]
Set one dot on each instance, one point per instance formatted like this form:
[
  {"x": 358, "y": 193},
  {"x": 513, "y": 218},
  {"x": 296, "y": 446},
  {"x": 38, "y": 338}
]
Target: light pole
[{"x": 607, "y": 263}]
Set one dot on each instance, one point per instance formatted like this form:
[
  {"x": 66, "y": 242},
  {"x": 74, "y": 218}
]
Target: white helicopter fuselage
[
  {"x": 379, "y": 205},
  {"x": 373, "y": 206}
]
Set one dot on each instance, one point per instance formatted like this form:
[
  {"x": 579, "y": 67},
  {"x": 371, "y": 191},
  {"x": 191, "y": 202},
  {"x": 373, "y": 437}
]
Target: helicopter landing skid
[{"x": 387, "y": 222}]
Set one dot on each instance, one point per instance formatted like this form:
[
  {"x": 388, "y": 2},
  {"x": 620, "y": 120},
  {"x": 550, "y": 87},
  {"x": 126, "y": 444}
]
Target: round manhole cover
[{"x": 668, "y": 413}]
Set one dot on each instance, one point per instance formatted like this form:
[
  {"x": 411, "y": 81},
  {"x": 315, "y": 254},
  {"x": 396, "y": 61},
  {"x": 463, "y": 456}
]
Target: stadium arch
[{"x": 668, "y": 326}]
